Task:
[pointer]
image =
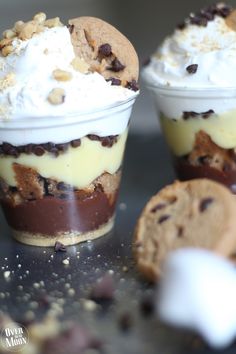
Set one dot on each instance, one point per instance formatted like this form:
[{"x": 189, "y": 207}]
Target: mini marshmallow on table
[{"x": 198, "y": 291}]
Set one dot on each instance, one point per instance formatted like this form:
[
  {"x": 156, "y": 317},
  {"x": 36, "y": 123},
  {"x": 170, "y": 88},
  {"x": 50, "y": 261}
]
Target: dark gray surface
[{"x": 147, "y": 169}]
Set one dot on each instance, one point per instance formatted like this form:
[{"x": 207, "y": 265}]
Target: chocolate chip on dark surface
[
  {"x": 147, "y": 306},
  {"x": 205, "y": 203},
  {"x": 158, "y": 207},
  {"x": 103, "y": 290},
  {"x": 163, "y": 218},
  {"x": 116, "y": 66},
  {"x": 125, "y": 322},
  {"x": 132, "y": 85},
  {"x": 75, "y": 143},
  {"x": 105, "y": 50},
  {"x": 199, "y": 21},
  {"x": 59, "y": 247},
  {"x": 114, "y": 81},
  {"x": 192, "y": 69}
]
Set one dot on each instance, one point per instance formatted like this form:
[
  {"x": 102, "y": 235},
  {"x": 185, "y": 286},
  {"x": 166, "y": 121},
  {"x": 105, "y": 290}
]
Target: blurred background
[{"x": 144, "y": 22}]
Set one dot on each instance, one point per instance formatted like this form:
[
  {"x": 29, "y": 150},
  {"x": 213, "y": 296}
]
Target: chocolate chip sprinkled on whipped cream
[
  {"x": 207, "y": 14},
  {"x": 192, "y": 69}
]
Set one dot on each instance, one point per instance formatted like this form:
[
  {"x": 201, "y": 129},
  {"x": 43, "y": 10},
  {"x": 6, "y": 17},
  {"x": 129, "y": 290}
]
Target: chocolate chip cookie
[
  {"x": 105, "y": 50},
  {"x": 198, "y": 213}
]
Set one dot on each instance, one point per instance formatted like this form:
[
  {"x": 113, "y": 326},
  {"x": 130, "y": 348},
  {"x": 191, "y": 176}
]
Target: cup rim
[
  {"x": 80, "y": 117},
  {"x": 227, "y": 91}
]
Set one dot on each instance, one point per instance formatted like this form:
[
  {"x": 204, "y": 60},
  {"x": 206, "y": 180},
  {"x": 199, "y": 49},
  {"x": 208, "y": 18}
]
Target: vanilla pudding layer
[
  {"x": 77, "y": 166},
  {"x": 180, "y": 133}
]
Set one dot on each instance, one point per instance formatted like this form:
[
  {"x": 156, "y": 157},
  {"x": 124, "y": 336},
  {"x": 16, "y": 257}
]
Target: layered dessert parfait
[
  {"x": 66, "y": 95},
  {"x": 192, "y": 76}
]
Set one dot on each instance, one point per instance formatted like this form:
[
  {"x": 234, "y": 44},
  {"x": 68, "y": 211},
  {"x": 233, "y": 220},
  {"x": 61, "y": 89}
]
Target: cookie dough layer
[
  {"x": 180, "y": 134},
  {"x": 77, "y": 167}
]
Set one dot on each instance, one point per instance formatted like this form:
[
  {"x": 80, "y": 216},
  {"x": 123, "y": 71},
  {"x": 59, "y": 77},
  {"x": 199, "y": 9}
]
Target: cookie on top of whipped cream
[
  {"x": 66, "y": 95},
  {"x": 40, "y": 69}
]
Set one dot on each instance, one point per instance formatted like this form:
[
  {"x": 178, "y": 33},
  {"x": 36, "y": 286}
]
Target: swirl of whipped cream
[{"x": 212, "y": 48}]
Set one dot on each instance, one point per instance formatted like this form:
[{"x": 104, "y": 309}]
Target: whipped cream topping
[
  {"x": 211, "y": 47},
  {"x": 198, "y": 291},
  {"x": 30, "y": 72}
]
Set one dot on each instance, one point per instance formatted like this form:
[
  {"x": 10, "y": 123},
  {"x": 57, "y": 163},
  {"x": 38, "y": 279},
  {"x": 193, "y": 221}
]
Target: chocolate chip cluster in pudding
[
  {"x": 193, "y": 78},
  {"x": 65, "y": 103}
]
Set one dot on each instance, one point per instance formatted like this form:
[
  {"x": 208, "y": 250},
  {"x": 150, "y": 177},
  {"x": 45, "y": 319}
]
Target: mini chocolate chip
[
  {"x": 207, "y": 114},
  {"x": 62, "y": 147},
  {"x": 38, "y": 150},
  {"x": 28, "y": 149},
  {"x": 163, "y": 218},
  {"x": 208, "y": 15},
  {"x": 93, "y": 137},
  {"x": 103, "y": 290},
  {"x": 71, "y": 28},
  {"x": 105, "y": 50},
  {"x": 59, "y": 247},
  {"x": 6, "y": 147},
  {"x": 75, "y": 143},
  {"x": 114, "y": 81},
  {"x": 204, "y": 204},
  {"x": 54, "y": 151},
  {"x": 132, "y": 85},
  {"x": 181, "y": 25},
  {"x": 48, "y": 146},
  {"x": 158, "y": 207},
  {"x": 192, "y": 69},
  {"x": 190, "y": 114},
  {"x": 125, "y": 322},
  {"x": 147, "y": 306},
  {"x": 199, "y": 21},
  {"x": 116, "y": 66}
]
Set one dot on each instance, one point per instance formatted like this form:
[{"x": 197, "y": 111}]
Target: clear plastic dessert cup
[
  {"x": 60, "y": 176},
  {"x": 199, "y": 126}
]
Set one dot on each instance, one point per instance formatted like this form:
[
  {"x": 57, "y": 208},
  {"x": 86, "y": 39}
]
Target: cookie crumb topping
[
  {"x": 80, "y": 65},
  {"x": 7, "y": 81},
  {"x": 61, "y": 75},
  {"x": 25, "y": 30},
  {"x": 56, "y": 96}
]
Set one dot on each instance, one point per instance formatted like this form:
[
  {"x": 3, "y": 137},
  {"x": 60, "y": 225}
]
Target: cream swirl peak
[
  {"x": 41, "y": 76},
  {"x": 201, "y": 53}
]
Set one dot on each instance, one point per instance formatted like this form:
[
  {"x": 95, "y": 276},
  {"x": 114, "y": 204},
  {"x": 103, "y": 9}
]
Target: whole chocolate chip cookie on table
[
  {"x": 65, "y": 102},
  {"x": 198, "y": 213}
]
